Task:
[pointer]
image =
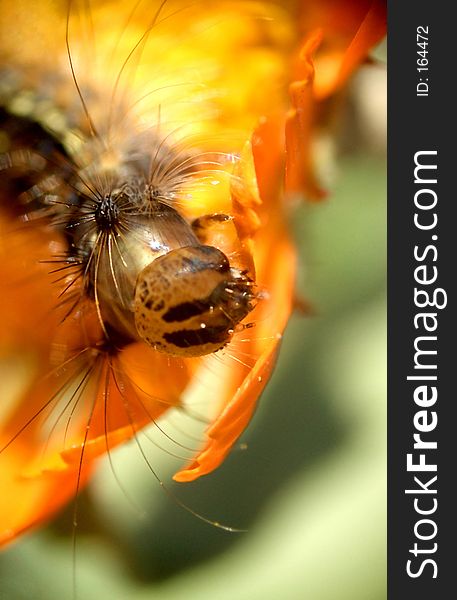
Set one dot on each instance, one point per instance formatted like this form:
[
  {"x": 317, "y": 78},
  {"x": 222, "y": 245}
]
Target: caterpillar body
[
  {"x": 129, "y": 210},
  {"x": 117, "y": 205}
]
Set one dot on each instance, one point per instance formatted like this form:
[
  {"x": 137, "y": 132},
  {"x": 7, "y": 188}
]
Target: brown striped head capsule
[{"x": 189, "y": 301}]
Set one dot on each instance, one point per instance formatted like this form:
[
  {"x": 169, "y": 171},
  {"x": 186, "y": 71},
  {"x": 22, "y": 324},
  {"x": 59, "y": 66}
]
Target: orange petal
[
  {"x": 25, "y": 282},
  {"x": 78, "y": 412},
  {"x": 28, "y": 501},
  {"x": 351, "y": 28},
  {"x": 233, "y": 420},
  {"x": 241, "y": 391},
  {"x": 245, "y": 195},
  {"x": 299, "y": 125},
  {"x": 371, "y": 31},
  {"x": 135, "y": 388},
  {"x": 268, "y": 148}
]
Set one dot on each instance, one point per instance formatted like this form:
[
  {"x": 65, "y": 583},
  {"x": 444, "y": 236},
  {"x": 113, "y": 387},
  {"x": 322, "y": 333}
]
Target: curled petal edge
[{"x": 241, "y": 401}]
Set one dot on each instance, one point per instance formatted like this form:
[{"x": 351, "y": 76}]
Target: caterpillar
[{"x": 136, "y": 250}]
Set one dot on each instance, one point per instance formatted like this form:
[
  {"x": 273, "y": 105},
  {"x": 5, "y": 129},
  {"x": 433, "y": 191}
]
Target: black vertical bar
[{"x": 422, "y": 119}]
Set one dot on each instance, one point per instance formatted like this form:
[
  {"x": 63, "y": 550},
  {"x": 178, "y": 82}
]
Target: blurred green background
[{"x": 311, "y": 487}]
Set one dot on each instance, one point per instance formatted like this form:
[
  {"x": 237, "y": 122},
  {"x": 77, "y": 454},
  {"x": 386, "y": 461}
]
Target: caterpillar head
[{"x": 190, "y": 302}]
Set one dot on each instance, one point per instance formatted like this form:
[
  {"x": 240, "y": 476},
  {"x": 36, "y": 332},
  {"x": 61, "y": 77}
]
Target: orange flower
[{"x": 220, "y": 100}]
